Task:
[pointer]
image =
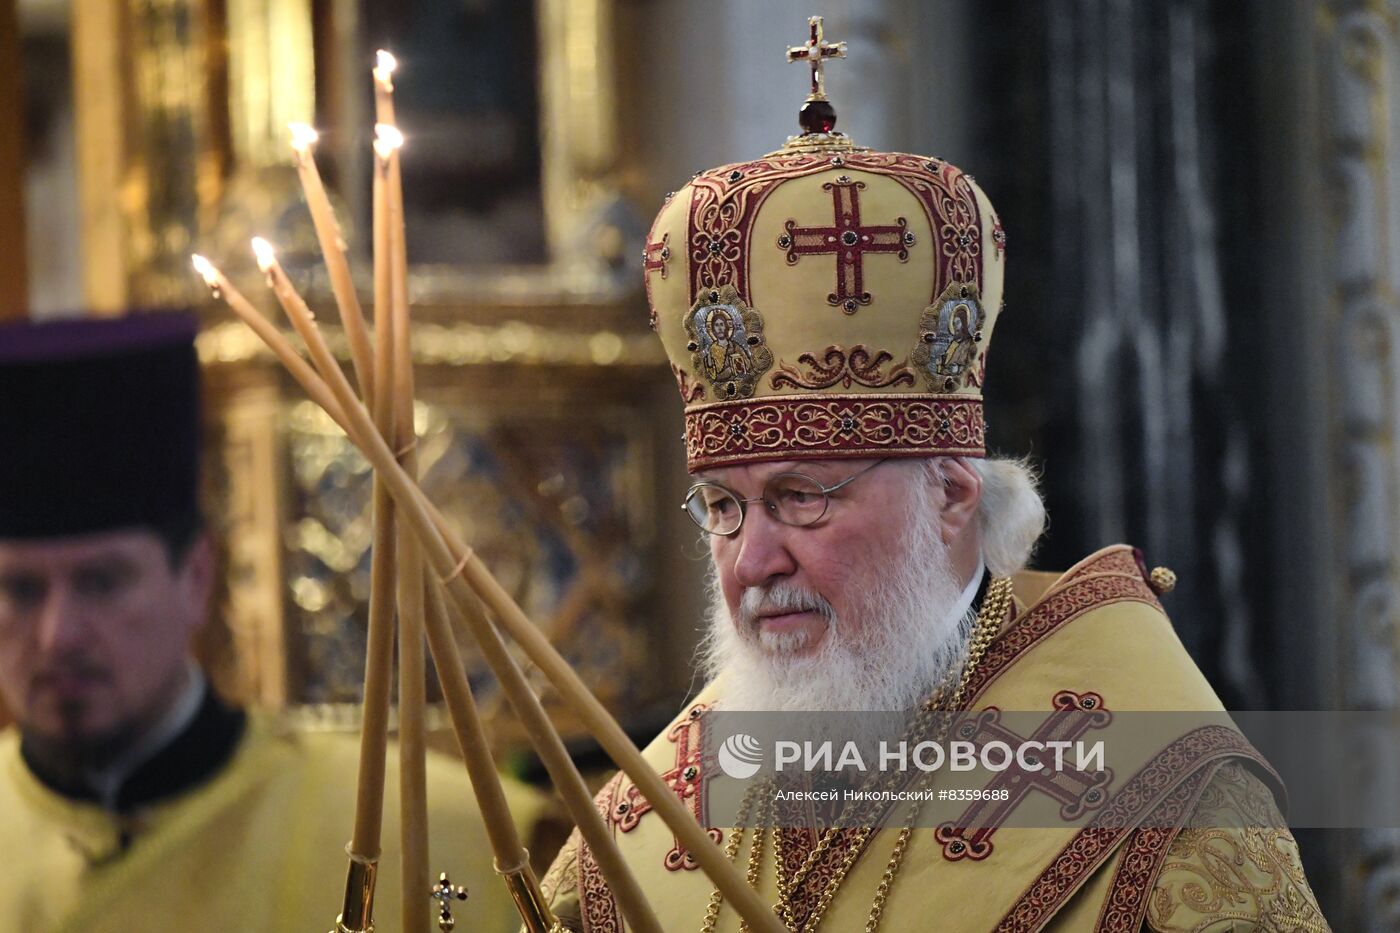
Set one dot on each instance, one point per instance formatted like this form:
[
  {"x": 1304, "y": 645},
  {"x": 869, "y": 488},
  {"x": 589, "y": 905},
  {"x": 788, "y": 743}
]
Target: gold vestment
[
  {"x": 259, "y": 846},
  {"x": 1096, "y": 631}
]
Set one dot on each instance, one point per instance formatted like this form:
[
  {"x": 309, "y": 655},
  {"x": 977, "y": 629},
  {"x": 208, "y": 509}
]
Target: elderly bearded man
[{"x": 868, "y": 556}]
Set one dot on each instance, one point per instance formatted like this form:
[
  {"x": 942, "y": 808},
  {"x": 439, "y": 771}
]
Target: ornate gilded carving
[
  {"x": 544, "y": 497},
  {"x": 156, "y": 171},
  {"x": 463, "y": 344},
  {"x": 247, "y": 471}
]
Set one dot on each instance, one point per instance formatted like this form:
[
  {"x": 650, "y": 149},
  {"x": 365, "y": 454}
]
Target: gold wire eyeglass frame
[{"x": 781, "y": 509}]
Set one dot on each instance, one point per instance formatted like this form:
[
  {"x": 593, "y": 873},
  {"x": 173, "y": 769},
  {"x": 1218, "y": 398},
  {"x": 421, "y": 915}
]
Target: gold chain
[
  {"x": 989, "y": 619},
  {"x": 764, "y": 789},
  {"x": 731, "y": 851},
  {"x": 994, "y": 607}
]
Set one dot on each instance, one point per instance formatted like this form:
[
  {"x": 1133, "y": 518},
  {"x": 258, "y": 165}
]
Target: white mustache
[{"x": 759, "y": 601}]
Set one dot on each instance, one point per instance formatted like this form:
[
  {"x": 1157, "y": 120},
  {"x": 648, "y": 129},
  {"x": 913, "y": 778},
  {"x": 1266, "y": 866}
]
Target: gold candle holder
[
  {"x": 357, "y": 912},
  {"x": 524, "y": 889}
]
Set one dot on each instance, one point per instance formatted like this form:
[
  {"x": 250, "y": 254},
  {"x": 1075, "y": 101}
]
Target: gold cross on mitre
[{"x": 815, "y": 53}]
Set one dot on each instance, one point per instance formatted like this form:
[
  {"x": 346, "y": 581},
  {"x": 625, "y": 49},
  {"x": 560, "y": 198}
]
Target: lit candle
[
  {"x": 470, "y": 584},
  {"x": 369, "y": 798},
  {"x": 384, "y": 568},
  {"x": 301, "y": 316},
  {"x": 384, "y": 65},
  {"x": 258, "y": 322},
  {"x": 413, "y": 801},
  {"x": 387, "y": 141},
  {"x": 412, "y": 791},
  {"x": 333, "y": 248},
  {"x": 388, "y": 217}
]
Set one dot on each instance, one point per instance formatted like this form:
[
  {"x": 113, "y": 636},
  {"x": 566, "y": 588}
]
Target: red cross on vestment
[
  {"x": 848, "y": 241},
  {"x": 1076, "y": 791},
  {"x": 685, "y": 779}
]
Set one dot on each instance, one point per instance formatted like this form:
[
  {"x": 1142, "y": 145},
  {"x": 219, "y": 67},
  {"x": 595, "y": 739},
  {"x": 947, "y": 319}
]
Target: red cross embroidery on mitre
[
  {"x": 848, "y": 241},
  {"x": 658, "y": 255},
  {"x": 655, "y": 258}
]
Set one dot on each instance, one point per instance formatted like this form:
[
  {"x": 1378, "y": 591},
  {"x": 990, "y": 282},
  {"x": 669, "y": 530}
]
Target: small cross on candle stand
[{"x": 445, "y": 892}]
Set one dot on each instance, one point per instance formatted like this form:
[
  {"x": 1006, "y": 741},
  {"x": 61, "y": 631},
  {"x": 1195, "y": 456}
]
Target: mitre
[{"x": 827, "y": 300}]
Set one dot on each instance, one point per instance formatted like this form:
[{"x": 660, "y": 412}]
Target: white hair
[{"x": 1011, "y": 516}]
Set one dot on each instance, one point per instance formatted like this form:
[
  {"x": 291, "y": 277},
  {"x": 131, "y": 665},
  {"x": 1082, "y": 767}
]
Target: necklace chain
[{"x": 989, "y": 619}]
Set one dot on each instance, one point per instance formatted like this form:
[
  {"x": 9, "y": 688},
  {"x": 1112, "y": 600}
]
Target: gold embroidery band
[
  {"x": 1145, "y": 852},
  {"x": 797, "y": 427},
  {"x": 1190, "y": 758}
]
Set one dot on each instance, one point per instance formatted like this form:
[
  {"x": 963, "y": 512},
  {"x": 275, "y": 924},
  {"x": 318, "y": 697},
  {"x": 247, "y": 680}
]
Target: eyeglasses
[{"x": 792, "y": 498}]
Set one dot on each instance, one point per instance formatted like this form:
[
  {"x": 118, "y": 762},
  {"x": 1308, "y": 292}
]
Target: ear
[
  {"x": 197, "y": 581},
  {"x": 962, "y": 494}
]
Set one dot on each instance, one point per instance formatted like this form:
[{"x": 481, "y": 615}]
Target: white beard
[{"x": 910, "y": 640}]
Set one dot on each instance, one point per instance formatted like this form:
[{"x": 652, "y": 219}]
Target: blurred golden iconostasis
[{"x": 546, "y": 408}]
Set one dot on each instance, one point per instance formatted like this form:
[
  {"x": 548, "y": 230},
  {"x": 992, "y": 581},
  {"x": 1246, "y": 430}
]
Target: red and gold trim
[
  {"x": 797, "y": 846},
  {"x": 797, "y": 427},
  {"x": 848, "y": 241},
  {"x": 1165, "y": 789},
  {"x": 1143, "y": 856},
  {"x": 1107, "y": 580},
  {"x": 600, "y": 909},
  {"x": 684, "y": 778}
]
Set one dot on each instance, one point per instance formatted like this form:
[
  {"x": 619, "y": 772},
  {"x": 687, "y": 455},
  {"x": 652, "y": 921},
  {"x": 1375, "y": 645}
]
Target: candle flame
[
  {"x": 387, "y": 138},
  {"x": 267, "y": 257},
  {"x": 303, "y": 137},
  {"x": 384, "y": 65},
  {"x": 206, "y": 270}
]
